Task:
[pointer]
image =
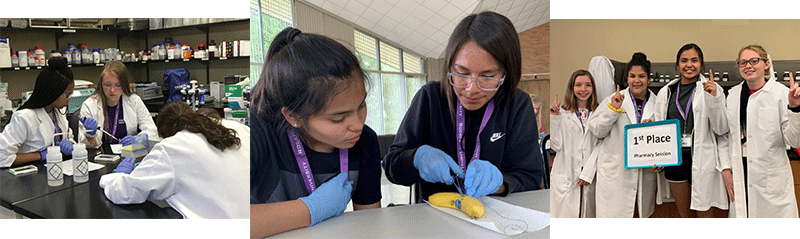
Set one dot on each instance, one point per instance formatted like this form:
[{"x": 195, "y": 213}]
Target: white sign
[{"x": 653, "y": 143}]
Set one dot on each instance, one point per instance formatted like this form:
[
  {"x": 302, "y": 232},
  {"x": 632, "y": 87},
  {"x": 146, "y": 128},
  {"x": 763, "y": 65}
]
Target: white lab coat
[
  {"x": 771, "y": 126},
  {"x": 134, "y": 113},
  {"x": 30, "y": 130},
  {"x": 195, "y": 178},
  {"x": 708, "y": 189},
  {"x": 574, "y": 147},
  {"x": 603, "y": 73},
  {"x": 619, "y": 189}
]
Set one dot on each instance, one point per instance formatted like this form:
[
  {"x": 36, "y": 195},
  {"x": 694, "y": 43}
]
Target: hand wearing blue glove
[
  {"x": 482, "y": 178},
  {"x": 66, "y": 147},
  {"x": 125, "y": 166},
  {"x": 434, "y": 165},
  {"x": 330, "y": 199},
  {"x": 127, "y": 140},
  {"x": 44, "y": 156},
  {"x": 90, "y": 125}
]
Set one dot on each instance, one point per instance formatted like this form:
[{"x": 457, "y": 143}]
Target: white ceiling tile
[
  {"x": 381, "y": 31},
  {"x": 348, "y": 15},
  {"x": 365, "y": 23},
  {"x": 408, "y": 42},
  {"x": 463, "y": 4},
  {"x": 381, "y": 7},
  {"x": 373, "y": 16},
  {"x": 519, "y": 3},
  {"x": 435, "y": 6},
  {"x": 397, "y": 14},
  {"x": 513, "y": 13},
  {"x": 427, "y": 30},
  {"x": 332, "y": 7},
  {"x": 452, "y": 14},
  {"x": 403, "y": 30},
  {"x": 365, "y": 2},
  {"x": 449, "y": 27},
  {"x": 472, "y": 7},
  {"x": 529, "y": 7},
  {"x": 393, "y": 36},
  {"x": 437, "y": 21},
  {"x": 413, "y": 21},
  {"x": 387, "y": 23},
  {"x": 488, "y": 3},
  {"x": 407, "y": 6},
  {"x": 423, "y": 13},
  {"x": 355, "y": 7},
  {"x": 503, "y": 8},
  {"x": 440, "y": 36},
  {"x": 431, "y": 43},
  {"x": 392, "y": 2},
  {"x": 440, "y": 49},
  {"x": 317, "y": 3}
]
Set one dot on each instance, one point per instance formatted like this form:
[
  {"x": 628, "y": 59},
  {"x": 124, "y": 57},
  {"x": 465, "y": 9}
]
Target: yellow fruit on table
[{"x": 466, "y": 204}]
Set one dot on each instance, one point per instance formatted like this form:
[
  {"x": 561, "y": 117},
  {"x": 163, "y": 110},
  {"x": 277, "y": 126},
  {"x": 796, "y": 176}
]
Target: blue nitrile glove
[
  {"x": 125, "y": 166},
  {"x": 330, "y": 199},
  {"x": 44, "y": 156},
  {"x": 127, "y": 140},
  {"x": 482, "y": 178},
  {"x": 434, "y": 165},
  {"x": 66, "y": 147},
  {"x": 90, "y": 125}
]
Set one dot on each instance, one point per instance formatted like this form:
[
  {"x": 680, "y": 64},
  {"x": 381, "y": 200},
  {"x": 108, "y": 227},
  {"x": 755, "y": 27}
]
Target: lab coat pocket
[
  {"x": 609, "y": 165},
  {"x": 768, "y": 122},
  {"x": 561, "y": 185},
  {"x": 776, "y": 181}
]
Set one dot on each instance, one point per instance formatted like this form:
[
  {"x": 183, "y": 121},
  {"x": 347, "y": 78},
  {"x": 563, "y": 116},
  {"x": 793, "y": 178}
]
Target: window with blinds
[{"x": 267, "y": 19}]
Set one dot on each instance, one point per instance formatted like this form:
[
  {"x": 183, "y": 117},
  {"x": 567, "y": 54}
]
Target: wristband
[{"x": 615, "y": 109}]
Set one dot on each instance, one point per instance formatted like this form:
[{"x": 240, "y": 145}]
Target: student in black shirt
[
  {"x": 311, "y": 152},
  {"x": 495, "y": 133}
]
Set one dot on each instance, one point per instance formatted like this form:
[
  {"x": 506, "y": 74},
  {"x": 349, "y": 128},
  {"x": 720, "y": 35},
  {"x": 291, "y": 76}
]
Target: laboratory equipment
[
  {"x": 55, "y": 174},
  {"x": 108, "y": 158},
  {"x": 24, "y": 170},
  {"x": 192, "y": 94},
  {"x": 80, "y": 163}
]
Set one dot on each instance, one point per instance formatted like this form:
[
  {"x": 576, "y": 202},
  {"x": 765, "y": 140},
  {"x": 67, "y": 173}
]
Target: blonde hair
[
  {"x": 118, "y": 69},
  {"x": 761, "y": 53}
]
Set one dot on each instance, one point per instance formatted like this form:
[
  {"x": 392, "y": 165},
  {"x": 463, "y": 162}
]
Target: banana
[{"x": 466, "y": 204}]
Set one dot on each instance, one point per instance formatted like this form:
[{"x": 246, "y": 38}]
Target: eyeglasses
[
  {"x": 753, "y": 61},
  {"x": 484, "y": 83},
  {"x": 109, "y": 86}
]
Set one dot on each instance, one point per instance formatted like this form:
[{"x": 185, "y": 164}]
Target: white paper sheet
[
  {"x": 504, "y": 218},
  {"x": 116, "y": 148},
  {"x": 67, "y": 167}
]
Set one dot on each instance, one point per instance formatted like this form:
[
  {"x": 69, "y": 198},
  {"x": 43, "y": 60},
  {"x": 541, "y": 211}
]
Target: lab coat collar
[
  {"x": 47, "y": 128},
  {"x": 627, "y": 105}
]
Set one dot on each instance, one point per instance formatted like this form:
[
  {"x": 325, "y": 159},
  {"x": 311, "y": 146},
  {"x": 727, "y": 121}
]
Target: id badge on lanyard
[
  {"x": 686, "y": 138},
  {"x": 305, "y": 168}
]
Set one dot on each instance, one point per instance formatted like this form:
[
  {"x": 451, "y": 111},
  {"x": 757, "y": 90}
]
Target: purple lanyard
[
  {"x": 460, "y": 133},
  {"x": 58, "y": 129},
  {"x": 688, "y": 105},
  {"x": 302, "y": 161},
  {"x": 113, "y": 125},
  {"x": 636, "y": 107},
  {"x": 581, "y": 120}
]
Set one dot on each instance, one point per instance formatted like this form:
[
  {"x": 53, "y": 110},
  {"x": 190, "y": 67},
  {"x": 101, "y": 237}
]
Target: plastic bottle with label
[
  {"x": 86, "y": 55},
  {"x": 725, "y": 76},
  {"x": 212, "y": 49},
  {"x": 23, "y": 58},
  {"x": 797, "y": 75},
  {"x": 55, "y": 173},
  {"x": 102, "y": 53},
  {"x": 96, "y": 57},
  {"x": 14, "y": 59},
  {"x": 32, "y": 59},
  {"x": 76, "y": 56},
  {"x": 786, "y": 76},
  {"x": 178, "y": 52},
  {"x": 80, "y": 163},
  {"x": 39, "y": 56},
  {"x": 171, "y": 52},
  {"x": 187, "y": 51}
]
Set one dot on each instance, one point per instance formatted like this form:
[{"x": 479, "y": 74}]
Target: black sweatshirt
[
  {"x": 509, "y": 141},
  {"x": 275, "y": 176}
]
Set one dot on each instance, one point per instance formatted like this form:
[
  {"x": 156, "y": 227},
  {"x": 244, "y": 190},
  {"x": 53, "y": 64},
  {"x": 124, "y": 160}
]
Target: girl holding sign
[
  {"x": 623, "y": 192},
  {"x": 699, "y": 104},
  {"x": 572, "y": 195},
  {"x": 764, "y": 116},
  {"x": 309, "y": 141}
]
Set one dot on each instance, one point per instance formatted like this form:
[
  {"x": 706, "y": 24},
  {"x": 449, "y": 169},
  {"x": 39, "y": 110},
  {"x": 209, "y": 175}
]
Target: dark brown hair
[
  {"x": 570, "y": 101},
  {"x": 497, "y": 36},
  {"x": 176, "y": 116}
]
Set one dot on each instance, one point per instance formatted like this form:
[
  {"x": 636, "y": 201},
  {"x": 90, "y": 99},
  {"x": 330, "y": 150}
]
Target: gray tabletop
[{"x": 417, "y": 221}]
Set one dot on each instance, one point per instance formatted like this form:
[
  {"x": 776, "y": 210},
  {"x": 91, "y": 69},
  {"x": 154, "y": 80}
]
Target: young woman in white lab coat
[
  {"x": 39, "y": 121},
  {"x": 200, "y": 168},
  {"x": 571, "y": 195},
  {"x": 763, "y": 118},
  {"x": 699, "y": 104},
  {"x": 111, "y": 100},
  {"x": 623, "y": 192}
]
